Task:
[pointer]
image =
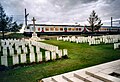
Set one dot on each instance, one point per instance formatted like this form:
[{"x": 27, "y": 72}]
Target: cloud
[{"x": 62, "y": 11}]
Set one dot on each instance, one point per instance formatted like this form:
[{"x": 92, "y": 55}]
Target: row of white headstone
[
  {"x": 116, "y": 45},
  {"x": 74, "y": 39},
  {"x": 19, "y": 48},
  {"x": 104, "y": 39},
  {"x": 92, "y": 39},
  {"x": 45, "y": 46}
]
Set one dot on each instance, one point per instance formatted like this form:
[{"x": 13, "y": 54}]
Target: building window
[
  {"x": 79, "y": 29},
  {"x": 39, "y": 29},
  {"x": 28, "y": 27},
  {"x": 47, "y": 29},
  {"x": 65, "y": 28},
  {"x": 56, "y": 29},
  {"x": 51, "y": 29},
  {"x": 69, "y": 29},
  {"x": 61, "y": 29},
  {"x": 72, "y": 29},
  {"x": 76, "y": 29}
]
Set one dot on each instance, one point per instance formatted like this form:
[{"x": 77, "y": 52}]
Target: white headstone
[
  {"x": 56, "y": 50},
  {"x": 31, "y": 49},
  {"x": 32, "y": 57},
  {"x": 15, "y": 59},
  {"x": 115, "y": 46},
  {"x": 37, "y": 49},
  {"x": 25, "y": 51},
  {"x": 18, "y": 51},
  {"x": 23, "y": 58},
  {"x": 7, "y": 42},
  {"x": 47, "y": 55},
  {"x": 59, "y": 53},
  {"x": 39, "y": 57},
  {"x": 23, "y": 46},
  {"x": 4, "y": 60},
  {"x": 0, "y": 49},
  {"x": 57, "y": 38},
  {"x": 16, "y": 47},
  {"x": 53, "y": 54},
  {"x": 5, "y": 51},
  {"x": 65, "y": 52},
  {"x": 11, "y": 50},
  {"x": 2, "y": 42}
]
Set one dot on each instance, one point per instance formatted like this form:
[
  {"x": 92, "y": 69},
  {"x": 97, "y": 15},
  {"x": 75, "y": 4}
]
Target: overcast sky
[{"x": 62, "y": 11}]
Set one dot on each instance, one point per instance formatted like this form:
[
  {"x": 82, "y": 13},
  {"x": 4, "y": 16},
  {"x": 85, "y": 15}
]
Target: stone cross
[{"x": 34, "y": 23}]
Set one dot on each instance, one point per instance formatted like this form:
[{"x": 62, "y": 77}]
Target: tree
[
  {"x": 94, "y": 21},
  {"x": 6, "y": 23},
  {"x": 15, "y": 27}
]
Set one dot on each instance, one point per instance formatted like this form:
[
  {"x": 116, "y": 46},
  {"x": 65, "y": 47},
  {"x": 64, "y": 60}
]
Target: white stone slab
[
  {"x": 23, "y": 46},
  {"x": 7, "y": 43},
  {"x": 104, "y": 77},
  {"x": 70, "y": 76},
  {"x": 31, "y": 49},
  {"x": 47, "y": 80},
  {"x": 4, "y": 60},
  {"x": 23, "y": 58},
  {"x": 47, "y": 55},
  {"x": 37, "y": 49},
  {"x": 25, "y": 51},
  {"x": 39, "y": 57},
  {"x": 19, "y": 51},
  {"x": 15, "y": 59},
  {"x": 56, "y": 49},
  {"x": 117, "y": 71},
  {"x": 90, "y": 74},
  {"x": 59, "y": 53},
  {"x": 32, "y": 57},
  {"x": 72, "y": 79},
  {"x": 5, "y": 51},
  {"x": 0, "y": 49},
  {"x": 16, "y": 46},
  {"x": 53, "y": 54},
  {"x": 59, "y": 79},
  {"x": 11, "y": 50},
  {"x": 65, "y": 52}
]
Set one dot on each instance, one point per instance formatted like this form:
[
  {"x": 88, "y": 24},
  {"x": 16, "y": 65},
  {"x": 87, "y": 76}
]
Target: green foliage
[
  {"x": 80, "y": 56},
  {"x": 15, "y": 27},
  {"x": 6, "y": 23},
  {"x": 94, "y": 21}
]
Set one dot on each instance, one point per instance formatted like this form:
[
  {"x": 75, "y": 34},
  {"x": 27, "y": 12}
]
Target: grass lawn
[
  {"x": 80, "y": 56},
  {"x": 13, "y": 35}
]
